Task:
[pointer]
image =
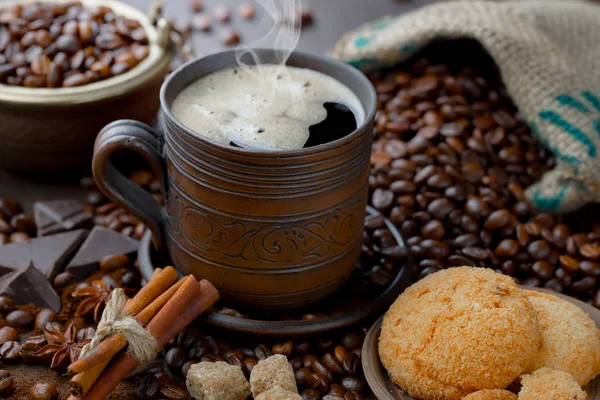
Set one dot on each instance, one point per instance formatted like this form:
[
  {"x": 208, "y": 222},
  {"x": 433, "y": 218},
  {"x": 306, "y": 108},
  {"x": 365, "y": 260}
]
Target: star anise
[
  {"x": 63, "y": 349},
  {"x": 94, "y": 300}
]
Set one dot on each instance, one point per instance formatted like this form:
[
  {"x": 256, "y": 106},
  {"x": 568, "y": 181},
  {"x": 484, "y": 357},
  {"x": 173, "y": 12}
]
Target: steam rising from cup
[{"x": 282, "y": 36}]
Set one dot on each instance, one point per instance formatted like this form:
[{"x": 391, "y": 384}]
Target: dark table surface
[{"x": 332, "y": 18}]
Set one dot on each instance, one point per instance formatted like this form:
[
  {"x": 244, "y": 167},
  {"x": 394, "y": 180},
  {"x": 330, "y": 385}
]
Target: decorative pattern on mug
[{"x": 300, "y": 242}]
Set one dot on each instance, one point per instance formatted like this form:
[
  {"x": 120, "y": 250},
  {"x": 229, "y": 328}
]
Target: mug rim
[{"x": 370, "y": 105}]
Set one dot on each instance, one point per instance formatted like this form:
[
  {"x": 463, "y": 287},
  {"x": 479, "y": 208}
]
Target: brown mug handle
[{"x": 129, "y": 135}]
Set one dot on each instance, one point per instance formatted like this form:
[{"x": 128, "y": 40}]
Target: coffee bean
[
  {"x": 23, "y": 223},
  {"x": 353, "y": 383},
  {"x": 149, "y": 388},
  {"x": 63, "y": 280},
  {"x": 8, "y": 334},
  {"x": 543, "y": 270},
  {"x": 186, "y": 367},
  {"x": 222, "y": 13},
  {"x": 382, "y": 199},
  {"x": 310, "y": 394},
  {"x": 351, "y": 364},
  {"x": 6, "y": 304},
  {"x": 591, "y": 251},
  {"x": 114, "y": 262},
  {"x": 230, "y": 37},
  {"x": 199, "y": 349},
  {"x": 302, "y": 376},
  {"x": 197, "y": 5},
  {"x": 250, "y": 363},
  {"x": 6, "y": 383},
  {"x": 262, "y": 352},
  {"x": 44, "y": 317},
  {"x": 497, "y": 219},
  {"x": 507, "y": 248},
  {"x": 332, "y": 364},
  {"x": 20, "y": 319},
  {"x": 584, "y": 285},
  {"x": 569, "y": 263},
  {"x": 590, "y": 268},
  {"x": 246, "y": 11},
  {"x": 201, "y": 22},
  {"x": 539, "y": 249},
  {"x": 285, "y": 348},
  {"x": 302, "y": 348},
  {"x": 336, "y": 390},
  {"x": 434, "y": 229},
  {"x": 43, "y": 391},
  {"x": 10, "y": 351},
  {"x": 318, "y": 381},
  {"x": 172, "y": 392}
]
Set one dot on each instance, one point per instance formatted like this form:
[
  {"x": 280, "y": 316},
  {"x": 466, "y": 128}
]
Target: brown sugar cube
[
  {"x": 271, "y": 372},
  {"x": 217, "y": 381}
]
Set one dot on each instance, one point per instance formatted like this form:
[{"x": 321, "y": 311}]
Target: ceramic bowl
[{"x": 45, "y": 129}]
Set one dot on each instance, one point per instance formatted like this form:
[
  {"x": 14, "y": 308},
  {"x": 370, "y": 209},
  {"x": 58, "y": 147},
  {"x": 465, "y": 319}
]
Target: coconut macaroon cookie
[
  {"x": 547, "y": 383},
  {"x": 458, "y": 331},
  {"x": 570, "y": 338},
  {"x": 491, "y": 394}
]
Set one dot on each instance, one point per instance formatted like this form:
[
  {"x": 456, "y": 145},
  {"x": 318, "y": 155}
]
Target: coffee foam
[{"x": 266, "y": 106}]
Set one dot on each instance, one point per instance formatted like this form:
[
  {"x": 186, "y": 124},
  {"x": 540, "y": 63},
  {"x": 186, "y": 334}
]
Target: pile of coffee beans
[
  {"x": 15, "y": 227},
  {"x": 115, "y": 217},
  {"x": 66, "y": 44},
  {"x": 328, "y": 369},
  {"x": 450, "y": 162}
]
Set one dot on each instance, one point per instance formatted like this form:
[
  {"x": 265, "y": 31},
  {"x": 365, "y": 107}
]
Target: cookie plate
[{"x": 385, "y": 389}]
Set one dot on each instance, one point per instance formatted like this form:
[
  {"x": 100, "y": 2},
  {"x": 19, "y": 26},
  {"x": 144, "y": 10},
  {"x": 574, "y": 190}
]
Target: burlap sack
[{"x": 548, "y": 52}]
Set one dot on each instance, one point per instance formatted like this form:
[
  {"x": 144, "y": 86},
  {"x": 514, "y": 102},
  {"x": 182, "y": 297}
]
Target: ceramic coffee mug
[{"x": 271, "y": 229}]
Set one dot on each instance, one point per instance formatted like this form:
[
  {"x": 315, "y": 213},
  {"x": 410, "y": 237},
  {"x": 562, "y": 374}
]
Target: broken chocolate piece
[
  {"x": 101, "y": 242},
  {"x": 28, "y": 285},
  {"x": 60, "y": 215},
  {"x": 49, "y": 254}
]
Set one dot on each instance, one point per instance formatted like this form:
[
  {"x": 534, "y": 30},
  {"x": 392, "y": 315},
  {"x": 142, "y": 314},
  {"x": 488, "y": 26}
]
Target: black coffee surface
[{"x": 340, "y": 122}]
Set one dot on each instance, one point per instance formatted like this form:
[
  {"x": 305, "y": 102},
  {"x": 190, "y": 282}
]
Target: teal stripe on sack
[
  {"x": 359, "y": 64},
  {"x": 571, "y": 102},
  {"x": 549, "y": 203},
  {"x": 571, "y": 130},
  {"x": 563, "y": 157},
  {"x": 589, "y": 96},
  {"x": 362, "y": 41}
]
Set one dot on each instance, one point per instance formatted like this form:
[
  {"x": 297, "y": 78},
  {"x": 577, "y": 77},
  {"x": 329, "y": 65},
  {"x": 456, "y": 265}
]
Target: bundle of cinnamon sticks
[{"x": 165, "y": 306}]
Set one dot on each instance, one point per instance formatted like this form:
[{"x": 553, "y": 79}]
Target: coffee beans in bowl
[
  {"x": 67, "y": 44},
  {"x": 69, "y": 68}
]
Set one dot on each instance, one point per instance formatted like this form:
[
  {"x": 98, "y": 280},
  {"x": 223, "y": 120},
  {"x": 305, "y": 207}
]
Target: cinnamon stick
[
  {"x": 158, "y": 285},
  {"x": 106, "y": 350},
  {"x": 187, "y": 304}
]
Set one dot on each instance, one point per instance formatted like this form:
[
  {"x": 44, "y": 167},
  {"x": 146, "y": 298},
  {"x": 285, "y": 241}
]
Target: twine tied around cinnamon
[{"x": 141, "y": 343}]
